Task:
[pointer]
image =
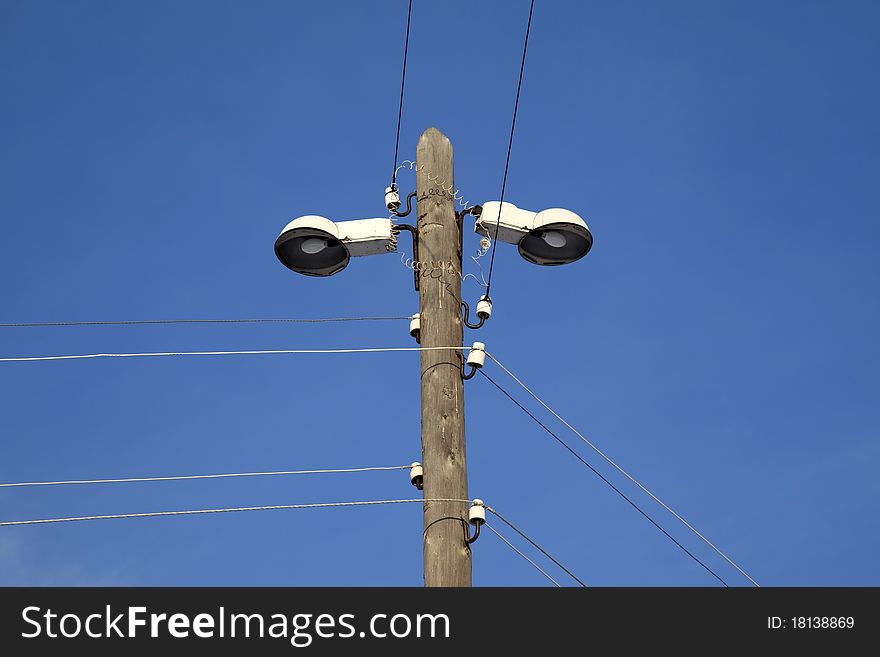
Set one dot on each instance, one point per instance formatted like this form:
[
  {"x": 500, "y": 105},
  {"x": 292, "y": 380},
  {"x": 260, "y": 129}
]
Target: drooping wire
[
  {"x": 509, "y": 146},
  {"x": 204, "y": 476},
  {"x": 274, "y": 507},
  {"x": 515, "y": 549},
  {"x": 254, "y": 352},
  {"x": 626, "y": 474},
  {"x": 602, "y": 477},
  {"x": 206, "y": 321},
  {"x": 535, "y": 545},
  {"x": 402, "y": 87}
]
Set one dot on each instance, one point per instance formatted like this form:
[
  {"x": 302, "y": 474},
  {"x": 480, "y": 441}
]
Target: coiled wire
[{"x": 438, "y": 269}]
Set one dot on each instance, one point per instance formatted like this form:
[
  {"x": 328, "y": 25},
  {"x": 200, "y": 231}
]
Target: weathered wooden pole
[{"x": 447, "y": 556}]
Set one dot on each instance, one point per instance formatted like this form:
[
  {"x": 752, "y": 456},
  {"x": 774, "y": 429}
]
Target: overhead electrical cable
[
  {"x": 135, "y": 322},
  {"x": 128, "y": 480},
  {"x": 603, "y": 478},
  {"x": 522, "y": 67},
  {"x": 622, "y": 471},
  {"x": 260, "y": 352},
  {"x": 402, "y": 87},
  {"x": 515, "y": 549},
  {"x": 274, "y": 507},
  {"x": 535, "y": 545}
]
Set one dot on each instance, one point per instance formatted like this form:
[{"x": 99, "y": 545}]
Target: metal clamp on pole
[
  {"x": 484, "y": 312},
  {"x": 392, "y": 201},
  {"x": 476, "y": 358},
  {"x": 475, "y": 210},
  {"x": 415, "y": 241},
  {"x": 476, "y": 516}
]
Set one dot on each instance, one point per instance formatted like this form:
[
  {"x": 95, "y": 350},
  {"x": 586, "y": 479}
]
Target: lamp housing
[
  {"x": 551, "y": 237},
  {"x": 316, "y": 246}
]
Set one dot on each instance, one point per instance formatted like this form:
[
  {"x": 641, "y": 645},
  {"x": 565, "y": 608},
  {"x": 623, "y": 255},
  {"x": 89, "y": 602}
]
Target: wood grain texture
[{"x": 447, "y": 557}]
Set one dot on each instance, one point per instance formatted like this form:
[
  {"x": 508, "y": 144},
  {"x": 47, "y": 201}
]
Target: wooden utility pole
[{"x": 447, "y": 557}]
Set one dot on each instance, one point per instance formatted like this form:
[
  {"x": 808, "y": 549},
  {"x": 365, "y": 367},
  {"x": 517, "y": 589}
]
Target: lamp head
[
  {"x": 311, "y": 245},
  {"x": 549, "y": 237},
  {"x": 557, "y": 237}
]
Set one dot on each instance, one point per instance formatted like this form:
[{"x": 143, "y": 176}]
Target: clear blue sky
[{"x": 720, "y": 341}]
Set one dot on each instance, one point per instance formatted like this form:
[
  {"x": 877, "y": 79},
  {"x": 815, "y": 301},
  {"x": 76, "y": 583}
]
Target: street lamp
[
  {"x": 550, "y": 237},
  {"x": 316, "y": 246}
]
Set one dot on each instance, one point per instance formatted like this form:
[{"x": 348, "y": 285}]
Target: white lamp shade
[
  {"x": 557, "y": 237},
  {"x": 311, "y": 245}
]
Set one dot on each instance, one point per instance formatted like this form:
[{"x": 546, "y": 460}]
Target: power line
[
  {"x": 535, "y": 545},
  {"x": 510, "y": 146},
  {"x": 205, "y": 476},
  {"x": 603, "y": 478},
  {"x": 514, "y": 548},
  {"x": 402, "y": 87},
  {"x": 274, "y": 507},
  {"x": 624, "y": 472},
  {"x": 228, "y": 353},
  {"x": 206, "y": 321}
]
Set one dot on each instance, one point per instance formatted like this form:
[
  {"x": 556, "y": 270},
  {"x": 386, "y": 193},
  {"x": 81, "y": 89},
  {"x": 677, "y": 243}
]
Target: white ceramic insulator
[
  {"x": 484, "y": 307},
  {"x": 415, "y": 324},
  {"x": 415, "y": 471},
  {"x": 392, "y": 198},
  {"x": 477, "y": 355},
  {"x": 477, "y": 513}
]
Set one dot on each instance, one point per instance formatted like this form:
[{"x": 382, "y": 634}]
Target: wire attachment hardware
[
  {"x": 393, "y": 204},
  {"x": 416, "y": 475},
  {"x": 484, "y": 312},
  {"x": 415, "y": 327},
  {"x": 412, "y": 230},
  {"x": 392, "y": 198},
  {"x": 475, "y": 210},
  {"x": 476, "y": 516},
  {"x": 484, "y": 308},
  {"x": 476, "y": 358}
]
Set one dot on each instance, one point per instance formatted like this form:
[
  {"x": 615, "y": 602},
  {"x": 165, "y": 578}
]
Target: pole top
[{"x": 433, "y": 133}]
